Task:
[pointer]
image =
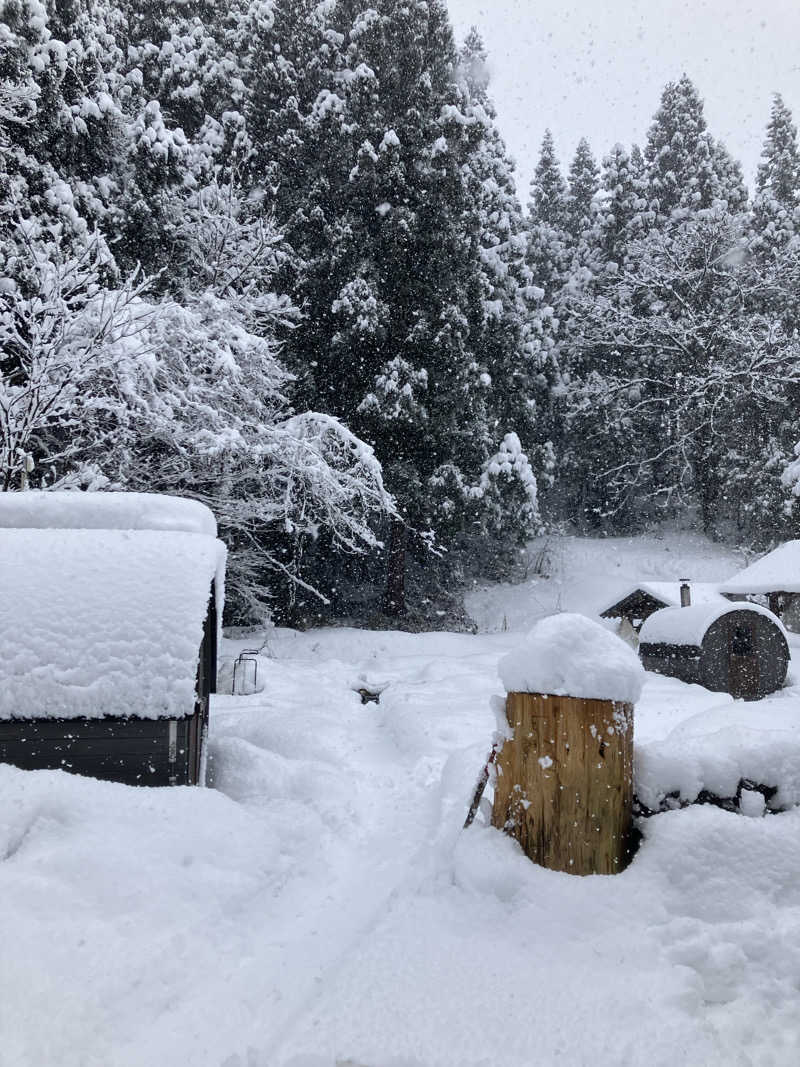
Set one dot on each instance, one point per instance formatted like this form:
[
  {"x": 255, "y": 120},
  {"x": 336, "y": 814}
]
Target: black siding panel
[
  {"x": 674, "y": 661},
  {"x": 134, "y": 751}
]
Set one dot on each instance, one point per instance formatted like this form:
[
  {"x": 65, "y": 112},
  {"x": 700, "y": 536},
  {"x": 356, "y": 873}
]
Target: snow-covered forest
[{"x": 270, "y": 254}]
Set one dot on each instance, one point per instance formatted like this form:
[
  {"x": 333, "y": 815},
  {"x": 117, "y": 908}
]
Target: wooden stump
[{"x": 565, "y": 782}]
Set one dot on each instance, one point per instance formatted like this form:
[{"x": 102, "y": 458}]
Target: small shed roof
[
  {"x": 777, "y": 572},
  {"x": 666, "y": 593},
  {"x": 688, "y": 626},
  {"x": 35, "y": 510},
  {"x": 103, "y": 622}
]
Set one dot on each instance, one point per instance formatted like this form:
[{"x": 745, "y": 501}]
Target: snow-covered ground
[{"x": 321, "y": 906}]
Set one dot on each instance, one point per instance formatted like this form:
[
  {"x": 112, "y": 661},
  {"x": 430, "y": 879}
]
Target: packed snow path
[{"x": 321, "y": 907}]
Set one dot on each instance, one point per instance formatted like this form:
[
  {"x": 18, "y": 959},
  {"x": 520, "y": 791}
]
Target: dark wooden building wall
[
  {"x": 674, "y": 661},
  {"x": 744, "y": 654},
  {"x": 206, "y": 685},
  {"x": 134, "y": 751}
]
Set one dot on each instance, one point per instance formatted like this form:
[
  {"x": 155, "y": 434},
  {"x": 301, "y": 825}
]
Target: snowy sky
[{"x": 596, "y": 68}]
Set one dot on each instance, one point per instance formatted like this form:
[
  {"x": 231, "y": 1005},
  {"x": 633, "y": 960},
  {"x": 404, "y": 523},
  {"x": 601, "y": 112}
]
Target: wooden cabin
[
  {"x": 109, "y": 618},
  {"x": 775, "y": 579},
  {"x": 739, "y": 649},
  {"x": 639, "y": 602}
]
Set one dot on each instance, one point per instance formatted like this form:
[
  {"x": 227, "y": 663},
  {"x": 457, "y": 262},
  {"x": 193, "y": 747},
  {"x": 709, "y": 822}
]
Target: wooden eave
[{"x": 635, "y": 606}]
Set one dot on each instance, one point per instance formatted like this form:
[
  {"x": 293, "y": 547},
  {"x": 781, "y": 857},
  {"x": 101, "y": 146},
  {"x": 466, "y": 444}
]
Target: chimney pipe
[{"x": 686, "y": 593}]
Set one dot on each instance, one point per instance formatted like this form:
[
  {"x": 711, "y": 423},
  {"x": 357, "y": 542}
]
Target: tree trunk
[
  {"x": 394, "y": 602},
  {"x": 565, "y": 782}
]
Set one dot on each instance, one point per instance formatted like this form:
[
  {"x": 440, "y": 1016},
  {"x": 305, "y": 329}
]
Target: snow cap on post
[{"x": 569, "y": 655}]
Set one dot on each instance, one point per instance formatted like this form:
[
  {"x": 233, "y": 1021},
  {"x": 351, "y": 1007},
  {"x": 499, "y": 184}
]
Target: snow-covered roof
[
  {"x": 102, "y": 622},
  {"x": 35, "y": 510},
  {"x": 569, "y": 655},
  {"x": 777, "y": 572},
  {"x": 669, "y": 593},
  {"x": 688, "y": 626}
]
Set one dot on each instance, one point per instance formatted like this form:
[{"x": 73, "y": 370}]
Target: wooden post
[{"x": 565, "y": 782}]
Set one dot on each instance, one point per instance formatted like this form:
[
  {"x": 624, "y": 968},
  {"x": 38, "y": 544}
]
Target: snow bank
[
  {"x": 104, "y": 511},
  {"x": 688, "y": 626},
  {"x": 777, "y": 572},
  {"x": 719, "y": 747},
  {"x": 569, "y": 655},
  {"x": 102, "y": 622}
]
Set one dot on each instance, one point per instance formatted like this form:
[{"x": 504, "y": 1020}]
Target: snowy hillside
[
  {"x": 321, "y": 906},
  {"x": 587, "y": 574}
]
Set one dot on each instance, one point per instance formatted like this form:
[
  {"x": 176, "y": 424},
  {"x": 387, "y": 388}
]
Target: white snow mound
[
  {"x": 717, "y": 748},
  {"x": 569, "y": 655}
]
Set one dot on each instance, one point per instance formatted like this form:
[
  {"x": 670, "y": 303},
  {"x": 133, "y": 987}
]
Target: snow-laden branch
[{"x": 57, "y": 328}]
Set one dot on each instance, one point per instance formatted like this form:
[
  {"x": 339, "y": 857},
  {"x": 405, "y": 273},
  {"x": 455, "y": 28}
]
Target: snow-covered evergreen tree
[
  {"x": 583, "y": 184},
  {"x": 664, "y": 320},
  {"x": 779, "y": 172},
  {"x": 68, "y": 55},
  {"x": 623, "y": 212},
  {"x": 516, "y": 345},
  {"x": 384, "y": 194},
  {"x": 549, "y": 243},
  {"x": 729, "y": 186},
  {"x": 181, "y": 103},
  {"x": 687, "y": 170},
  {"x": 548, "y": 201},
  {"x": 774, "y": 269},
  {"x": 775, "y": 217}
]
